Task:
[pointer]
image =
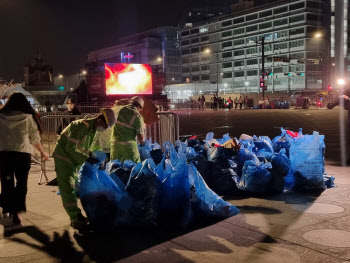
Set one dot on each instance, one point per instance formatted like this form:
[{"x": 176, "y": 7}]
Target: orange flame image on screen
[{"x": 124, "y": 78}]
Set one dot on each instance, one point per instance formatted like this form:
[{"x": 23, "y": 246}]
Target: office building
[{"x": 225, "y": 55}]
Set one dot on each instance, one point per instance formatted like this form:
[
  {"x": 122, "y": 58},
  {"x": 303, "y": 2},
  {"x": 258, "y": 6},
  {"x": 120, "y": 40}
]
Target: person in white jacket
[{"x": 20, "y": 130}]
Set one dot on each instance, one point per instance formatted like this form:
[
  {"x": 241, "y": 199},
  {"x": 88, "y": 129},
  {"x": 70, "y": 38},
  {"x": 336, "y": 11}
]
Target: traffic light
[
  {"x": 288, "y": 74},
  {"x": 262, "y": 82},
  {"x": 329, "y": 88},
  {"x": 300, "y": 74},
  {"x": 271, "y": 74}
]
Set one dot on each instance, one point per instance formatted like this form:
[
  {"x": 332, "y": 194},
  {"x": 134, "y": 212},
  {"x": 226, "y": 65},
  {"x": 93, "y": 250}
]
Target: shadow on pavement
[{"x": 60, "y": 247}]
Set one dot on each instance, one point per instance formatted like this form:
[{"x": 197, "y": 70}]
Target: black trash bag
[
  {"x": 144, "y": 187},
  {"x": 202, "y": 166},
  {"x": 157, "y": 156},
  {"x": 220, "y": 153},
  {"x": 121, "y": 170},
  {"x": 222, "y": 179},
  {"x": 255, "y": 177},
  {"x": 280, "y": 168}
]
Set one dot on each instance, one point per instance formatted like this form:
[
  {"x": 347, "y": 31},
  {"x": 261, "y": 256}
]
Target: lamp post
[{"x": 207, "y": 51}]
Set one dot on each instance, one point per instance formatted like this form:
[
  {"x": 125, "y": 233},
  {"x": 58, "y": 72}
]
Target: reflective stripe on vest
[
  {"x": 58, "y": 156},
  {"x": 125, "y": 125}
]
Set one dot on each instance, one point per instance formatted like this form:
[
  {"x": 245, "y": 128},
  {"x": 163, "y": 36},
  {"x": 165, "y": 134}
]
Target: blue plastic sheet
[
  {"x": 307, "y": 162},
  {"x": 255, "y": 177}
]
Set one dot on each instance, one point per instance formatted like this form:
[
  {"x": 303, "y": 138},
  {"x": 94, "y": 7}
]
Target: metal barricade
[
  {"x": 165, "y": 129},
  {"x": 51, "y": 124}
]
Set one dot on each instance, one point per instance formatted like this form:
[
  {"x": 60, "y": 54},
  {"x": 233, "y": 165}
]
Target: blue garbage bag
[
  {"x": 329, "y": 181},
  {"x": 255, "y": 177},
  {"x": 173, "y": 155},
  {"x": 144, "y": 187},
  {"x": 100, "y": 197},
  {"x": 175, "y": 208},
  {"x": 283, "y": 141},
  {"x": 280, "y": 168},
  {"x": 226, "y": 137},
  {"x": 145, "y": 149},
  {"x": 307, "y": 162},
  {"x": 262, "y": 143},
  {"x": 205, "y": 201},
  {"x": 244, "y": 155}
]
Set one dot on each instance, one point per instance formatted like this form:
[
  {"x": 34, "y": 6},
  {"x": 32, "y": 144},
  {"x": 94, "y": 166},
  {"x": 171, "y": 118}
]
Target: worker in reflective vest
[
  {"x": 128, "y": 127},
  {"x": 73, "y": 148}
]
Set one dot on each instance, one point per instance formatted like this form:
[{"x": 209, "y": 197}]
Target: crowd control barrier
[{"x": 165, "y": 129}]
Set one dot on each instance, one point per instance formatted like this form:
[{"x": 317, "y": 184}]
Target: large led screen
[{"x": 122, "y": 78}]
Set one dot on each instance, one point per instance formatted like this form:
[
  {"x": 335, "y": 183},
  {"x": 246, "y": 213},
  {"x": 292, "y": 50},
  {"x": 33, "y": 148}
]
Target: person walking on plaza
[
  {"x": 203, "y": 103},
  {"x": 73, "y": 148},
  {"x": 129, "y": 127},
  {"x": 212, "y": 103},
  {"x": 240, "y": 101},
  {"x": 20, "y": 129},
  {"x": 236, "y": 102},
  {"x": 245, "y": 102},
  {"x": 215, "y": 103},
  {"x": 230, "y": 103}
]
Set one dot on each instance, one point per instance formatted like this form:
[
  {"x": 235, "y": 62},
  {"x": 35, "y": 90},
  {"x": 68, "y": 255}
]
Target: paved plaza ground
[{"x": 289, "y": 227}]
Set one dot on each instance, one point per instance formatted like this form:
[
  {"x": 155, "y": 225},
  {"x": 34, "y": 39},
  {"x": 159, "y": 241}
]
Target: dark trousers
[{"x": 13, "y": 194}]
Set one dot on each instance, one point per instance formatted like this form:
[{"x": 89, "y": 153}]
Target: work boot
[
  {"x": 16, "y": 219},
  {"x": 80, "y": 224}
]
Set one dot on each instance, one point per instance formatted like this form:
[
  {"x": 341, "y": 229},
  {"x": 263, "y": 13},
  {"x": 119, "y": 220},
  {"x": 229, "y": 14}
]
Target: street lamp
[
  {"x": 207, "y": 51},
  {"x": 341, "y": 82},
  {"x": 60, "y": 76}
]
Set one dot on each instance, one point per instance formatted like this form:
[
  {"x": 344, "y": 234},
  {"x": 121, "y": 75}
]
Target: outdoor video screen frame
[{"x": 124, "y": 78}]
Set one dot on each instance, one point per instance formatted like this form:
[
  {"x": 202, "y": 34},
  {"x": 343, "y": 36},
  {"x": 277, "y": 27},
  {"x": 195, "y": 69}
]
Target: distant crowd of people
[{"x": 223, "y": 103}]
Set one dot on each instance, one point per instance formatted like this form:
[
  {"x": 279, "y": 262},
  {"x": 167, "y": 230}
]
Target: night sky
[{"x": 66, "y": 30}]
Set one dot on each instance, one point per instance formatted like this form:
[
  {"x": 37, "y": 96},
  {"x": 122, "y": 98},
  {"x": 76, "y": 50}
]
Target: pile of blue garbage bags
[{"x": 176, "y": 185}]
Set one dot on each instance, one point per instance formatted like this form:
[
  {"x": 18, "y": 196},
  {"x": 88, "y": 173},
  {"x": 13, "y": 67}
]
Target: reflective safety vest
[
  {"x": 76, "y": 141},
  {"x": 129, "y": 124}
]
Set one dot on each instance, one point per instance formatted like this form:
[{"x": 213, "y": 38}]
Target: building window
[
  {"x": 313, "y": 4},
  {"x": 296, "y": 55},
  {"x": 296, "y": 6},
  {"x": 251, "y": 39},
  {"x": 226, "y": 23},
  {"x": 280, "y": 34},
  {"x": 238, "y": 63},
  {"x": 195, "y": 40},
  {"x": 226, "y": 34},
  {"x": 194, "y": 50},
  {"x": 280, "y": 46},
  {"x": 227, "y": 75},
  {"x": 267, "y": 36},
  {"x": 296, "y": 31},
  {"x": 226, "y": 54},
  {"x": 238, "y": 20},
  {"x": 252, "y": 50},
  {"x": 314, "y": 79},
  {"x": 204, "y": 38},
  {"x": 238, "y": 41},
  {"x": 313, "y": 17},
  {"x": 203, "y": 29},
  {"x": 238, "y": 52},
  {"x": 238, "y": 74},
  {"x": 226, "y": 44},
  {"x": 195, "y": 78},
  {"x": 195, "y": 69},
  {"x": 205, "y": 58},
  {"x": 298, "y": 43},
  {"x": 280, "y": 22},
  {"x": 195, "y": 59},
  {"x": 185, "y": 42},
  {"x": 185, "y": 70},
  {"x": 185, "y": 33},
  {"x": 238, "y": 31},
  {"x": 205, "y": 77},
  {"x": 185, "y": 51},
  {"x": 300, "y": 67},
  {"x": 185, "y": 60},
  {"x": 251, "y": 28},
  {"x": 252, "y": 62},
  {"x": 227, "y": 65},
  {"x": 267, "y": 48},
  {"x": 265, "y": 25},
  {"x": 204, "y": 67},
  {"x": 280, "y": 10},
  {"x": 251, "y": 17},
  {"x": 298, "y": 18},
  {"x": 265, "y": 13},
  {"x": 252, "y": 72},
  {"x": 195, "y": 31}
]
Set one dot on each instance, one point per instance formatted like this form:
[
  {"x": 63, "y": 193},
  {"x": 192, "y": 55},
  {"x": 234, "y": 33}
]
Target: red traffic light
[{"x": 329, "y": 87}]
